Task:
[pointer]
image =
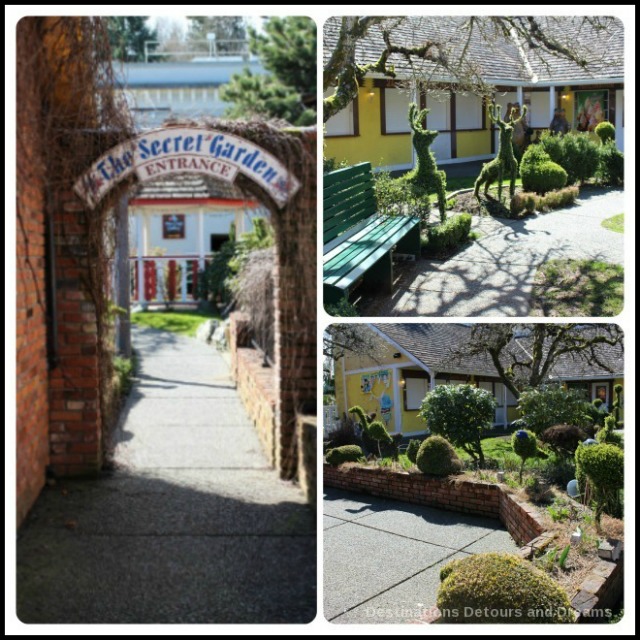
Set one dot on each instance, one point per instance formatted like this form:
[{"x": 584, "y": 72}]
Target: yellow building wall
[
  {"x": 370, "y": 146},
  {"x": 473, "y": 143},
  {"x": 411, "y": 421}
]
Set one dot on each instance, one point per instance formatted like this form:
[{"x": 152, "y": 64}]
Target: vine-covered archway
[{"x": 276, "y": 167}]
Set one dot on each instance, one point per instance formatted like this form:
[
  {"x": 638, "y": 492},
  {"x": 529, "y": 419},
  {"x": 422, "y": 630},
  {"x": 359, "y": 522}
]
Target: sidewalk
[
  {"x": 382, "y": 558},
  {"x": 494, "y": 275},
  {"x": 192, "y": 527}
]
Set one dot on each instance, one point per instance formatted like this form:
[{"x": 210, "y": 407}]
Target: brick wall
[
  {"x": 75, "y": 424},
  {"x": 520, "y": 519},
  {"x": 600, "y": 591},
  {"x": 295, "y": 312},
  {"x": 32, "y": 403},
  {"x": 478, "y": 498},
  {"x": 257, "y": 389},
  {"x": 307, "y": 431}
]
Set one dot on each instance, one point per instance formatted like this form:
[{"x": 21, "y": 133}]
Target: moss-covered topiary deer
[
  {"x": 505, "y": 163},
  {"x": 425, "y": 177}
]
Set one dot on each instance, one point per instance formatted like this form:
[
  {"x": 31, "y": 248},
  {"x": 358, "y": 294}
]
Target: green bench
[{"x": 358, "y": 242}]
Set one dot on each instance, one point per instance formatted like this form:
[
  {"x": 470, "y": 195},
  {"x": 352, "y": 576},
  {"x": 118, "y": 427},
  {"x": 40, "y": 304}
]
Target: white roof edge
[{"x": 511, "y": 82}]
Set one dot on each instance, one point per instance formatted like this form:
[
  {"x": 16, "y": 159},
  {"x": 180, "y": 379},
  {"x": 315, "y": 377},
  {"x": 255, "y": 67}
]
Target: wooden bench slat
[
  {"x": 348, "y": 192},
  {"x": 365, "y": 248},
  {"x": 338, "y": 224},
  {"x": 331, "y": 193},
  {"x": 329, "y": 179},
  {"x": 356, "y": 239},
  {"x": 363, "y": 265}
]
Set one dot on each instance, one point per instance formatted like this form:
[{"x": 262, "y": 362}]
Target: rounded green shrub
[
  {"x": 535, "y": 154},
  {"x": 524, "y": 444},
  {"x": 543, "y": 177},
  {"x": 580, "y": 157},
  {"x": 346, "y": 453},
  {"x": 412, "y": 450},
  {"x": 553, "y": 146},
  {"x": 437, "y": 457},
  {"x": 603, "y": 464},
  {"x": 500, "y": 588},
  {"x": 610, "y": 164},
  {"x": 605, "y": 131}
]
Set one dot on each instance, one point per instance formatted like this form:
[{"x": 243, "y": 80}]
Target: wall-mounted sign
[
  {"x": 176, "y": 150},
  {"x": 368, "y": 382},
  {"x": 591, "y": 109},
  {"x": 173, "y": 226}
]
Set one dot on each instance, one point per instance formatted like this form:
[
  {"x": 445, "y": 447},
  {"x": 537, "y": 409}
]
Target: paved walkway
[
  {"x": 382, "y": 558},
  {"x": 192, "y": 527},
  {"x": 494, "y": 275}
]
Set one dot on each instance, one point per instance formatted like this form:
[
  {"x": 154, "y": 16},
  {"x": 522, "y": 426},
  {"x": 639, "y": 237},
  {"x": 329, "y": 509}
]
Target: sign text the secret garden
[{"x": 173, "y": 150}]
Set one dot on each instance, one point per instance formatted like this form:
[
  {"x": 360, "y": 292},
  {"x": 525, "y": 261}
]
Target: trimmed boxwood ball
[
  {"x": 603, "y": 464},
  {"x": 524, "y": 444},
  {"x": 605, "y": 131},
  {"x": 500, "y": 588},
  {"x": 346, "y": 453},
  {"x": 437, "y": 457},
  {"x": 412, "y": 450},
  {"x": 543, "y": 177}
]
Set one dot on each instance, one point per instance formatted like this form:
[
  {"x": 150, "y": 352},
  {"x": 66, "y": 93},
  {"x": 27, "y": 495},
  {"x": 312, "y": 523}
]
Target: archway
[{"x": 276, "y": 167}]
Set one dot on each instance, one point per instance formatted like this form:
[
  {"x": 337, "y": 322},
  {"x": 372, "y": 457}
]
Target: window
[
  {"x": 395, "y": 114},
  {"x": 416, "y": 389},
  {"x": 468, "y": 111},
  {"x": 217, "y": 240},
  {"x": 439, "y": 117},
  {"x": 343, "y": 123}
]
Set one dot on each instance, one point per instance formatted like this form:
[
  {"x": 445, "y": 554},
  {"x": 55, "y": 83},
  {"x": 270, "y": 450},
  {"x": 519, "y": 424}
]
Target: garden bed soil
[{"x": 466, "y": 203}]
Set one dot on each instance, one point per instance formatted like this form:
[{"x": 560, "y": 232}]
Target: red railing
[{"x": 166, "y": 278}]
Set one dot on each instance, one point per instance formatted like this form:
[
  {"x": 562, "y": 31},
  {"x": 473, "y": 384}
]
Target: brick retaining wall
[
  {"x": 307, "y": 430},
  {"x": 257, "y": 389},
  {"x": 466, "y": 496},
  {"x": 600, "y": 591}
]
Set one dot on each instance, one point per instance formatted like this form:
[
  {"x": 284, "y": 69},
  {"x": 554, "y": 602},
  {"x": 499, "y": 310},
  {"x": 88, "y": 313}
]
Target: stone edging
[{"x": 597, "y": 594}]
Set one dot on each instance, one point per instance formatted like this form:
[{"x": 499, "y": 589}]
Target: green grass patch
[
  {"x": 494, "y": 448},
  {"x": 578, "y": 288},
  {"x": 184, "y": 322},
  {"x": 615, "y": 224}
]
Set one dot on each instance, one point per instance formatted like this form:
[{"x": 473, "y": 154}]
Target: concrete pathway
[
  {"x": 494, "y": 275},
  {"x": 382, "y": 558},
  {"x": 192, "y": 527}
]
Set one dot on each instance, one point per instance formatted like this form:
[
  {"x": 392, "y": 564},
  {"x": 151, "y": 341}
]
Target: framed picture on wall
[
  {"x": 591, "y": 108},
  {"x": 173, "y": 225}
]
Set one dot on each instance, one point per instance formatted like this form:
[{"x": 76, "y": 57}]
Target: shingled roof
[
  {"x": 434, "y": 345},
  {"x": 189, "y": 186},
  {"x": 496, "y": 58}
]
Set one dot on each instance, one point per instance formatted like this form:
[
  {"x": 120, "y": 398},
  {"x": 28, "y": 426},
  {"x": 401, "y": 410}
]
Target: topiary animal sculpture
[
  {"x": 504, "y": 164},
  {"x": 425, "y": 177}
]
